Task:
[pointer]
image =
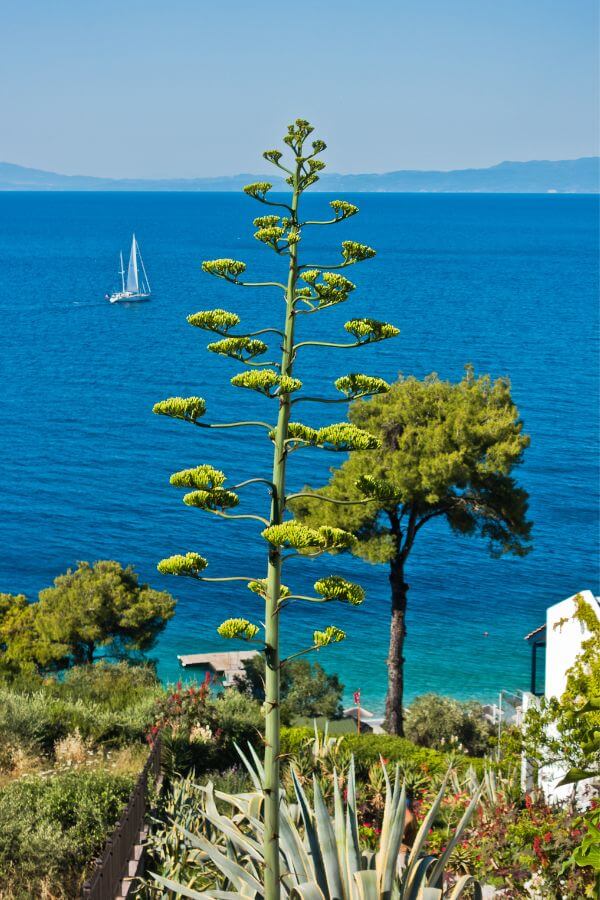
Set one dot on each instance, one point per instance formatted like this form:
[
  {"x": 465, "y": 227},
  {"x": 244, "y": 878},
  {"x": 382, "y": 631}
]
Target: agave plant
[{"x": 320, "y": 854}]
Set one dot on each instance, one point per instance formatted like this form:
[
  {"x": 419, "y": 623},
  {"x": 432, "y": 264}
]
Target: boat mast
[{"x": 122, "y": 273}]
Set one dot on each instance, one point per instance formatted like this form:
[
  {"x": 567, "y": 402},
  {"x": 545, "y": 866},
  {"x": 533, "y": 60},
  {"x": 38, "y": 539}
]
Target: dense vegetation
[
  {"x": 307, "y": 690},
  {"x": 90, "y": 607}
]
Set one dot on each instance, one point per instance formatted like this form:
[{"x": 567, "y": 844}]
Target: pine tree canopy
[{"x": 446, "y": 450}]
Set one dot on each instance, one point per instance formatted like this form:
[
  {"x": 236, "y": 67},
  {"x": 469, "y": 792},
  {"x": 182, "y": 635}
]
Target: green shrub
[
  {"x": 306, "y": 688},
  {"x": 116, "y": 686},
  {"x": 108, "y": 704},
  {"x": 368, "y": 748},
  {"x": 51, "y": 828},
  {"x": 40, "y": 720},
  {"x": 200, "y": 731},
  {"x": 444, "y": 723}
]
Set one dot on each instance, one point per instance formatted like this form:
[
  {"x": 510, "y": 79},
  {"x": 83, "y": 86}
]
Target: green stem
[
  {"x": 231, "y": 424},
  {"x": 272, "y": 662},
  {"x": 330, "y": 344},
  {"x": 330, "y": 499}
]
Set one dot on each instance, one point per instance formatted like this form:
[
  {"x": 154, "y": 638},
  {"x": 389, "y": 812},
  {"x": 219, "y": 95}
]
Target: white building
[{"x": 562, "y": 635}]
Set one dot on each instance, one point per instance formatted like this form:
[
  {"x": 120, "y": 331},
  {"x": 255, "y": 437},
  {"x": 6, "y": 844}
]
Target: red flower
[{"x": 548, "y": 837}]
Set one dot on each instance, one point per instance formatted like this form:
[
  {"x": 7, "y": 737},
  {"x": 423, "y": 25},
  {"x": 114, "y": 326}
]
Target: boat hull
[{"x": 125, "y": 297}]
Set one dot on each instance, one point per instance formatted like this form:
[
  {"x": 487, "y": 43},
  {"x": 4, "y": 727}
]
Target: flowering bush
[
  {"x": 200, "y": 730},
  {"x": 521, "y": 848}
]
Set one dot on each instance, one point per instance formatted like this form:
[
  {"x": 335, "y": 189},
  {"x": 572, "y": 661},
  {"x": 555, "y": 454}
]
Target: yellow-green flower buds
[
  {"x": 335, "y": 538},
  {"x": 343, "y": 209},
  {"x": 187, "y": 408},
  {"x": 266, "y": 221},
  {"x": 354, "y": 252},
  {"x": 229, "y": 269},
  {"x": 267, "y": 382},
  {"x": 293, "y": 236},
  {"x": 191, "y": 565},
  {"x": 203, "y": 478},
  {"x": 272, "y": 156},
  {"x": 212, "y": 501},
  {"x": 319, "y": 146},
  {"x": 316, "y": 165},
  {"x": 299, "y": 432},
  {"x": 334, "y": 587},
  {"x": 218, "y": 320},
  {"x": 331, "y": 635},
  {"x": 293, "y": 534},
  {"x": 344, "y": 436},
  {"x": 287, "y": 384},
  {"x": 260, "y": 587},
  {"x": 270, "y": 235},
  {"x": 310, "y": 276},
  {"x": 241, "y": 348},
  {"x": 258, "y": 189},
  {"x": 301, "y": 537},
  {"x": 238, "y": 628},
  {"x": 357, "y": 385},
  {"x": 376, "y": 488},
  {"x": 334, "y": 288},
  {"x": 371, "y": 330},
  {"x": 263, "y": 382},
  {"x": 297, "y": 133}
]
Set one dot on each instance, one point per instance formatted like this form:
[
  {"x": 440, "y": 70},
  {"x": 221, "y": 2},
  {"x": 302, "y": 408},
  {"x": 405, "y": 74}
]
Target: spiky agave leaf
[{"x": 326, "y": 862}]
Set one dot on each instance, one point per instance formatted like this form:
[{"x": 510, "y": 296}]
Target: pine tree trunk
[{"x": 394, "y": 714}]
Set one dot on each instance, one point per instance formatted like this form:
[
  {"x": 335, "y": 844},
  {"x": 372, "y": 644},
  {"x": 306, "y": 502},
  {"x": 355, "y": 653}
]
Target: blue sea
[{"x": 508, "y": 283}]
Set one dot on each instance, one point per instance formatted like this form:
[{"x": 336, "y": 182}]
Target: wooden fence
[{"x": 112, "y": 866}]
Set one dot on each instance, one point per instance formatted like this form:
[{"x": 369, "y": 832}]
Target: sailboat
[{"x": 137, "y": 286}]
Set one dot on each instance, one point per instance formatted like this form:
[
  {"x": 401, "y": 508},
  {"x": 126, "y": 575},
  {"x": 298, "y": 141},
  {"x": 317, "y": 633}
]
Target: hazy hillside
[{"x": 538, "y": 176}]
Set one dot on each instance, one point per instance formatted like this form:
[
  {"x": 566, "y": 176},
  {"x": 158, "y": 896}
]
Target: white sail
[{"x": 132, "y": 270}]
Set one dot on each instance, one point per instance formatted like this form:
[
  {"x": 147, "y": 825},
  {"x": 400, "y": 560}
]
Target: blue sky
[{"x": 190, "y": 88}]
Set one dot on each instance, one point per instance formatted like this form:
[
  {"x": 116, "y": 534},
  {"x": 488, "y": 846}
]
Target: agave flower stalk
[{"x": 306, "y": 289}]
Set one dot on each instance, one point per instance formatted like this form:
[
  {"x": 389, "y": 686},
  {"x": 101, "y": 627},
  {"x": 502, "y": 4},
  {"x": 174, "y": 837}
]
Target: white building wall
[{"x": 564, "y": 638}]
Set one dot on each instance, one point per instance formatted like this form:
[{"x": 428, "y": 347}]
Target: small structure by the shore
[{"x": 227, "y": 665}]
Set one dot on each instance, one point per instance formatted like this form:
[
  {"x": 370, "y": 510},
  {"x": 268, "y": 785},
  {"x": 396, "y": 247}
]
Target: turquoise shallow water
[{"x": 509, "y": 283}]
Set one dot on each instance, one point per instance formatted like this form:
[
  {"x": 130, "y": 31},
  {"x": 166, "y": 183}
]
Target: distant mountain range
[{"x": 572, "y": 176}]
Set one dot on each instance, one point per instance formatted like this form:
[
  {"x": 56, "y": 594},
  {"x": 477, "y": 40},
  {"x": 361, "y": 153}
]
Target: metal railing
[{"x": 112, "y": 867}]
